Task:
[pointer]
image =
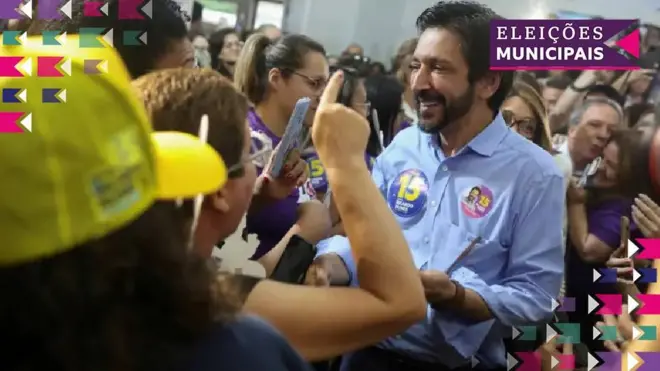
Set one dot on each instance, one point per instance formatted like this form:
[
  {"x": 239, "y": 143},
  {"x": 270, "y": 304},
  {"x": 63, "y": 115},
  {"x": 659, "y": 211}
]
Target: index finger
[
  {"x": 332, "y": 89},
  {"x": 625, "y": 235}
]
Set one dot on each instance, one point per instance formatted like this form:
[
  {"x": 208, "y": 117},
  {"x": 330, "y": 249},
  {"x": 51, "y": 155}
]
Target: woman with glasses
[
  {"x": 525, "y": 112},
  {"x": 224, "y": 49},
  {"x": 274, "y": 75}
]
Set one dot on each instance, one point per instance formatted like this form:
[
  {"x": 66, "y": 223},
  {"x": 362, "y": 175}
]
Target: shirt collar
[{"x": 486, "y": 142}]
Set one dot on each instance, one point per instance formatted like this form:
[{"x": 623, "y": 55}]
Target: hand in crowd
[
  {"x": 552, "y": 349},
  {"x": 646, "y": 215},
  {"x": 314, "y": 221},
  {"x": 624, "y": 327},
  {"x": 318, "y": 275},
  {"x": 294, "y": 174},
  {"x": 438, "y": 287},
  {"x": 331, "y": 118},
  {"x": 624, "y": 266},
  {"x": 575, "y": 193}
]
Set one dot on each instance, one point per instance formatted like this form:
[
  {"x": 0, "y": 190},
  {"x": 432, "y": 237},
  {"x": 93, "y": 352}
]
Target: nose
[{"x": 420, "y": 79}]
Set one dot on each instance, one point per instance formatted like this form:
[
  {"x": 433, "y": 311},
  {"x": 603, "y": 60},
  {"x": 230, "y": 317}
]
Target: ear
[
  {"x": 275, "y": 78},
  {"x": 488, "y": 85},
  {"x": 219, "y": 201}
]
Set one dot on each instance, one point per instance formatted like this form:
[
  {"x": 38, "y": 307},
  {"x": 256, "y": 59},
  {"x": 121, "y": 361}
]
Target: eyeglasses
[
  {"x": 260, "y": 155},
  {"x": 526, "y": 126},
  {"x": 317, "y": 83}
]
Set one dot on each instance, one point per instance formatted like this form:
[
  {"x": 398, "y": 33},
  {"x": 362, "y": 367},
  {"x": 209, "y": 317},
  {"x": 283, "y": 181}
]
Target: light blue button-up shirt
[{"x": 501, "y": 188}]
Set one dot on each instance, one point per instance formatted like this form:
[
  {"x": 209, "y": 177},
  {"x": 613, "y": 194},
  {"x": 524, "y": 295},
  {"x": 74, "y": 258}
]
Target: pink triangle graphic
[{"x": 630, "y": 43}]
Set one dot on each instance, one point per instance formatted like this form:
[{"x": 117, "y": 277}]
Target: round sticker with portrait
[
  {"x": 477, "y": 201},
  {"x": 408, "y": 193}
]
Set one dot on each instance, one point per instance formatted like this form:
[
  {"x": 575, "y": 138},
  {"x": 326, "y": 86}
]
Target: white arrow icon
[
  {"x": 474, "y": 362},
  {"x": 108, "y": 37},
  {"x": 553, "y": 362},
  {"x": 66, "y": 66},
  {"x": 636, "y": 275},
  {"x": 592, "y": 304},
  {"x": 62, "y": 96},
  {"x": 592, "y": 362},
  {"x": 103, "y": 66},
  {"x": 511, "y": 362},
  {"x": 62, "y": 38},
  {"x": 632, "y": 304},
  {"x": 514, "y": 333},
  {"x": 555, "y": 305},
  {"x": 22, "y": 96},
  {"x": 66, "y": 9},
  {"x": 597, "y": 275},
  {"x": 632, "y": 361},
  {"x": 26, "y": 9},
  {"x": 104, "y": 9},
  {"x": 26, "y": 122},
  {"x": 25, "y": 67},
  {"x": 637, "y": 332},
  {"x": 143, "y": 38},
  {"x": 596, "y": 333},
  {"x": 147, "y": 9},
  {"x": 550, "y": 333},
  {"x": 23, "y": 38},
  {"x": 632, "y": 248}
]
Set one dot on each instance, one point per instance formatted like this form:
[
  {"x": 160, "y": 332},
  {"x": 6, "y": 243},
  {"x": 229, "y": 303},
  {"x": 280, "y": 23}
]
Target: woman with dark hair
[
  {"x": 224, "y": 48},
  {"x": 386, "y": 95}
]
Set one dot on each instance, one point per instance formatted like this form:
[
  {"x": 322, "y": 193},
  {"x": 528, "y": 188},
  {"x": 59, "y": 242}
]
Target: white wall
[{"x": 380, "y": 25}]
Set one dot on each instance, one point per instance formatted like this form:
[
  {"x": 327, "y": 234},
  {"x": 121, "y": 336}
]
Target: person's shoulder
[{"x": 247, "y": 343}]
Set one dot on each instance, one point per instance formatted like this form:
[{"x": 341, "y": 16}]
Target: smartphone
[{"x": 292, "y": 136}]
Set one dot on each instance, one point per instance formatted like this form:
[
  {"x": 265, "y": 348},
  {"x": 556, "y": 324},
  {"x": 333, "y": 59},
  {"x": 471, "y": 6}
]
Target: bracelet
[{"x": 579, "y": 90}]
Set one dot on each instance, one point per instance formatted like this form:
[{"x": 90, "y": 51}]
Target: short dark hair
[
  {"x": 164, "y": 27},
  {"x": 560, "y": 82},
  {"x": 260, "y": 54},
  {"x": 471, "y": 22},
  {"x": 606, "y": 90}
]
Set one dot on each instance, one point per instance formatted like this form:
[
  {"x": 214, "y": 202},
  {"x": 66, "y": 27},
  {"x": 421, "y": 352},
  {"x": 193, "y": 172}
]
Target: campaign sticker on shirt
[
  {"x": 306, "y": 192},
  {"x": 316, "y": 172},
  {"x": 477, "y": 201},
  {"x": 408, "y": 193}
]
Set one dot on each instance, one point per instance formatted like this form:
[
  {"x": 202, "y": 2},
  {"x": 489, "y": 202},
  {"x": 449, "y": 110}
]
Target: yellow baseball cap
[{"x": 87, "y": 161}]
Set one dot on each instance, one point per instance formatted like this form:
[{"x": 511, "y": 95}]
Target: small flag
[
  {"x": 95, "y": 9},
  {"x": 95, "y": 66},
  {"x": 14, "y": 95},
  {"x": 15, "y": 122},
  {"x": 53, "y": 66},
  {"x": 89, "y": 37},
  {"x": 53, "y": 95},
  {"x": 15, "y": 66},
  {"x": 135, "y": 38},
  {"x": 129, "y": 9},
  {"x": 53, "y": 38},
  {"x": 13, "y": 38},
  {"x": 8, "y": 9}
]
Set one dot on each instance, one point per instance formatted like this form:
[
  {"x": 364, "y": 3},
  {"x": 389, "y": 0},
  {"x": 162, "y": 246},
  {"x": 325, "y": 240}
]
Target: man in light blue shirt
[{"x": 481, "y": 207}]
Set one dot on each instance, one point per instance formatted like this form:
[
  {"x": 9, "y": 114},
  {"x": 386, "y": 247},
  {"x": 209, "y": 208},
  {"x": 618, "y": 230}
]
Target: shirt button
[
  {"x": 444, "y": 168},
  {"x": 433, "y": 203},
  {"x": 426, "y": 240}
]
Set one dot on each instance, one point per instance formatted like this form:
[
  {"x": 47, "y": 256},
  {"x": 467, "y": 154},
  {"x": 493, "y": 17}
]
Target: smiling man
[{"x": 481, "y": 207}]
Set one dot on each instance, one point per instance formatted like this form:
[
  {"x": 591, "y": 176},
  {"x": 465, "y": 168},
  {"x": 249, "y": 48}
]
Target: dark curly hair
[{"x": 134, "y": 300}]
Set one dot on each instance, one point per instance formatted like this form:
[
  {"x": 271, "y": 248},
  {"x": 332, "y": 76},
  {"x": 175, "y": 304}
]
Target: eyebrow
[{"x": 431, "y": 60}]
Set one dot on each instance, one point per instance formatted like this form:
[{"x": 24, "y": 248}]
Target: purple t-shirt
[
  {"x": 317, "y": 174},
  {"x": 604, "y": 222},
  {"x": 273, "y": 221}
]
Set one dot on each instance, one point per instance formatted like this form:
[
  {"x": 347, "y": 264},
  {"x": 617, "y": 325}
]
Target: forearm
[
  {"x": 472, "y": 308},
  {"x": 385, "y": 266},
  {"x": 578, "y": 229}
]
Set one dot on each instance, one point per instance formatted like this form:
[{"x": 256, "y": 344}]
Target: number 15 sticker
[{"x": 408, "y": 193}]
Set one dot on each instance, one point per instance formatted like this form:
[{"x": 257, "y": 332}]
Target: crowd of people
[{"x": 429, "y": 211}]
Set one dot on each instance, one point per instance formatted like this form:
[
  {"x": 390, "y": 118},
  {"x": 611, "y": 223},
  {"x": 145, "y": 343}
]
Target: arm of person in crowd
[
  {"x": 559, "y": 114},
  {"x": 590, "y": 248},
  {"x": 534, "y": 273},
  {"x": 313, "y": 225},
  {"x": 324, "y": 322}
]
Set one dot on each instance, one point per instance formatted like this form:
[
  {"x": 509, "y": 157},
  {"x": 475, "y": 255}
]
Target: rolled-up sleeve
[
  {"x": 339, "y": 244},
  {"x": 534, "y": 272}
]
